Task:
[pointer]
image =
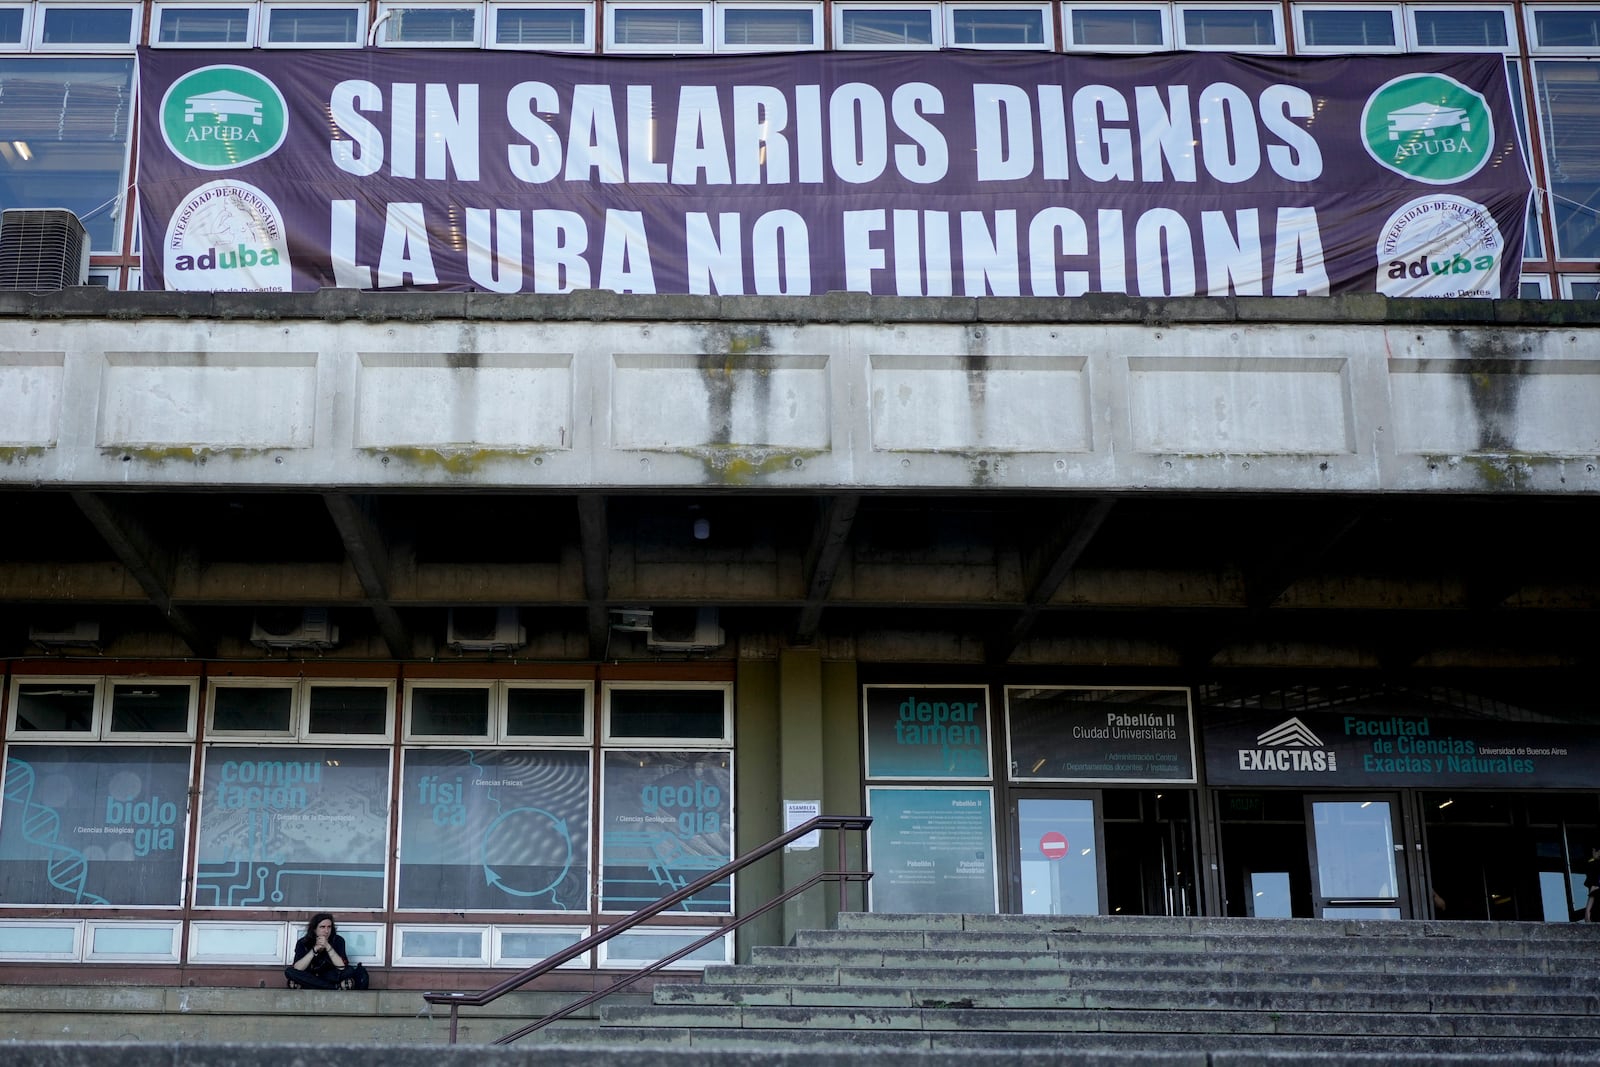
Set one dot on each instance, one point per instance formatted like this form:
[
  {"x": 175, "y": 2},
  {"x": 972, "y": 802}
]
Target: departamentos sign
[
  {"x": 909, "y": 174},
  {"x": 1373, "y": 749}
]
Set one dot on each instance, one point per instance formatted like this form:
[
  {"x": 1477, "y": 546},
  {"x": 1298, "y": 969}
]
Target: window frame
[
  {"x": 1068, "y": 44},
  {"x": 299, "y": 731},
  {"x": 24, "y": 32},
  {"x": 490, "y": 709},
  {"x": 264, "y": 25},
  {"x": 1046, "y": 18},
  {"x": 707, "y": 29},
  {"x": 100, "y": 713},
  {"x": 1181, "y": 40},
  {"x": 1414, "y": 35},
  {"x": 1397, "y": 26},
  {"x": 698, "y": 744},
  {"x": 585, "y": 739},
  {"x": 252, "y": 13},
  {"x": 1539, "y": 281},
  {"x": 491, "y": 30},
  {"x": 109, "y": 696},
  {"x": 1570, "y": 280},
  {"x": 41, "y": 20},
  {"x": 720, "y": 42},
  {"x": 935, "y": 26},
  {"x": 1531, "y": 15},
  {"x": 388, "y": 8}
]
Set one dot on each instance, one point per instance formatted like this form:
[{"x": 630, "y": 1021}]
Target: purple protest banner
[{"x": 920, "y": 174}]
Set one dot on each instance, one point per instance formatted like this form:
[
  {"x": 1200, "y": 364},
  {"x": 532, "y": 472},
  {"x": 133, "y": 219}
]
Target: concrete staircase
[{"x": 1286, "y": 990}]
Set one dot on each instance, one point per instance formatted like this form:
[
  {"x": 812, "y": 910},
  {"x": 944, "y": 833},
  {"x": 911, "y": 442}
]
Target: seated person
[{"x": 320, "y": 958}]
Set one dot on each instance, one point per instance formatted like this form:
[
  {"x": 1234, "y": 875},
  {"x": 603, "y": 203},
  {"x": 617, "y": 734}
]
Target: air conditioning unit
[
  {"x": 633, "y": 620},
  {"x": 65, "y": 632},
  {"x": 684, "y": 630},
  {"x": 484, "y": 630},
  {"x": 42, "y": 248},
  {"x": 294, "y": 628}
]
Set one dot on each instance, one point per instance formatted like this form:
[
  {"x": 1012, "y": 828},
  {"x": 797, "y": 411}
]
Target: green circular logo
[
  {"x": 221, "y": 117},
  {"x": 1428, "y": 127}
]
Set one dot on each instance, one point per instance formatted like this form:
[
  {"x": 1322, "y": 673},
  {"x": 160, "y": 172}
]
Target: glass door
[
  {"x": 1357, "y": 859},
  {"x": 1058, "y": 854}
]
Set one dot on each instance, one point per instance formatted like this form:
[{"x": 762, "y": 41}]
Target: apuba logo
[
  {"x": 1428, "y": 127},
  {"x": 221, "y": 117}
]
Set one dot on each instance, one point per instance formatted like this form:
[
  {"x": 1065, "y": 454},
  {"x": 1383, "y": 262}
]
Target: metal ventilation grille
[{"x": 40, "y": 249}]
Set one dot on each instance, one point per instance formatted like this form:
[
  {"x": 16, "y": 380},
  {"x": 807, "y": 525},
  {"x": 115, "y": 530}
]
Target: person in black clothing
[{"x": 320, "y": 958}]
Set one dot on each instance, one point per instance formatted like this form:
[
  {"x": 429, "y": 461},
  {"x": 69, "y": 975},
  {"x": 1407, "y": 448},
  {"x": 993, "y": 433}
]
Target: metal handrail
[{"x": 843, "y": 876}]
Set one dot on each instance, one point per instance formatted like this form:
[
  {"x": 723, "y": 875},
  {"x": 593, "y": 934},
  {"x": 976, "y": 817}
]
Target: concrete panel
[
  {"x": 1223, "y": 404},
  {"x": 30, "y": 397},
  {"x": 936, "y": 403},
  {"x": 199, "y": 400},
  {"x": 1456, "y": 407},
  {"x": 665, "y": 401},
  {"x": 442, "y": 400}
]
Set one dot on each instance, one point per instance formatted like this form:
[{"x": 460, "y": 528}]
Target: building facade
[{"x": 483, "y": 617}]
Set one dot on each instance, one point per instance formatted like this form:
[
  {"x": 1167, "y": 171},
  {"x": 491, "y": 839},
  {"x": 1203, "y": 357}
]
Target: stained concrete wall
[{"x": 1356, "y": 394}]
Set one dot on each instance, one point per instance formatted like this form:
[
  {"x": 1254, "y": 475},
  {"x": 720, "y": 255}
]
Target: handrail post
[{"x": 455, "y": 1010}]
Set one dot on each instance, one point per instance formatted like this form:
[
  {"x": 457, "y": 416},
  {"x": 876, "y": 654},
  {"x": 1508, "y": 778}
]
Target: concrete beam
[{"x": 367, "y": 550}]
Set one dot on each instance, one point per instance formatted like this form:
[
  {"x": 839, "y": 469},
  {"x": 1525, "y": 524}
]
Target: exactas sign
[{"x": 908, "y": 174}]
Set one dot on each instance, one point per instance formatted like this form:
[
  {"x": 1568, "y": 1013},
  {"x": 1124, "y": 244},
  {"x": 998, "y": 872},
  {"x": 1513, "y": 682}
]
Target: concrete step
[
  {"x": 1290, "y": 929},
  {"x": 1218, "y": 1023},
  {"x": 1311, "y": 998}
]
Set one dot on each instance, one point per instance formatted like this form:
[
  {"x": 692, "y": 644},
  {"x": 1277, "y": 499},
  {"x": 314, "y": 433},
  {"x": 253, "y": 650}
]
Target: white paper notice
[{"x": 796, "y": 812}]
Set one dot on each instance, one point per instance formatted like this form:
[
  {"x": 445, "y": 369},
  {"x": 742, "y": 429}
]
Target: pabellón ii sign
[
  {"x": 907, "y": 174},
  {"x": 1087, "y": 734}
]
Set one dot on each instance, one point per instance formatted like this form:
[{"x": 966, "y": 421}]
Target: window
[
  {"x": 546, "y": 27},
  {"x": 66, "y": 123},
  {"x": 910, "y": 26},
  {"x": 1236, "y": 29},
  {"x": 77, "y": 28},
  {"x": 769, "y": 27},
  {"x": 300, "y": 710},
  {"x": 679, "y": 714},
  {"x": 296, "y": 26},
  {"x": 1129, "y": 28},
  {"x": 89, "y": 708},
  {"x": 1568, "y": 100},
  {"x": 1580, "y": 287},
  {"x": 1534, "y": 287},
  {"x": 1460, "y": 29},
  {"x": 494, "y": 712},
  {"x": 999, "y": 27},
  {"x": 656, "y": 28},
  {"x": 1564, "y": 29},
  {"x": 14, "y": 26},
  {"x": 196, "y": 26},
  {"x": 430, "y": 26},
  {"x": 1348, "y": 28}
]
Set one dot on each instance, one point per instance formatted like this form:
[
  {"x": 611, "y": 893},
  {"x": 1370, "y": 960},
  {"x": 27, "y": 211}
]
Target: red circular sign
[{"x": 1053, "y": 845}]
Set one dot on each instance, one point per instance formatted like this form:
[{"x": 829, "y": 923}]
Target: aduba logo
[
  {"x": 1440, "y": 245},
  {"x": 1428, "y": 127},
  {"x": 221, "y": 117},
  {"x": 227, "y": 236}
]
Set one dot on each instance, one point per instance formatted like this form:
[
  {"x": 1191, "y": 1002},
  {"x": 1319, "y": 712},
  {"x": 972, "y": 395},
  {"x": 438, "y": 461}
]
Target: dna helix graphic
[{"x": 66, "y": 868}]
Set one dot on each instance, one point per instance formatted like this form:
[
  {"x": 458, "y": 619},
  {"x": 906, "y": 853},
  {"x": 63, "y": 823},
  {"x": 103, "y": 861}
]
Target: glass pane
[
  {"x": 55, "y": 706},
  {"x": 749, "y": 26},
  {"x": 236, "y": 942},
  {"x": 1226, "y": 27},
  {"x": 442, "y": 944},
  {"x": 1361, "y": 913},
  {"x": 1092, "y": 26},
  {"x": 90, "y": 25},
  {"x": 1355, "y": 849},
  {"x": 530, "y": 946},
  {"x": 209, "y": 25},
  {"x": 659, "y": 26},
  {"x": 887, "y": 27},
  {"x": 649, "y": 947},
  {"x": 539, "y": 25},
  {"x": 1461, "y": 28},
  {"x": 131, "y": 940},
  {"x": 1570, "y": 28},
  {"x": 533, "y": 712},
  {"x": 435, "y": 25},
  {"x": 339, "y": 709},
  {"x": 1060, "y": 871},
  {"x": 685, "y": 713},
  {"x": 1349, "y": 28},
  {"x": 287, "y": 25},
  {"x": 1584, "y": 290},
  {"x": 1269, "y": 895},
  {"x": 1569, "y": 99},
  {"x": 998, "y": 26},
  {"x": 150, "y": 709},
  {"x": 1530, "y": 291},
  {"x": 1533, "y": 236},
  {"x": 66, "y": 137},
  {"x": 11, "y": 25},
  {"x": 252, "y": 710},
  {"x": 451, "y": 712},
  {"x": 38, "y": 941}
]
